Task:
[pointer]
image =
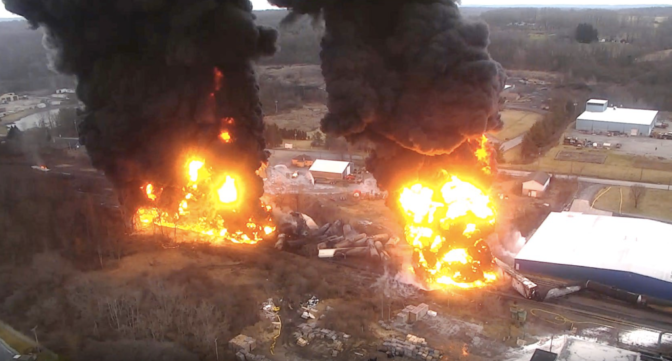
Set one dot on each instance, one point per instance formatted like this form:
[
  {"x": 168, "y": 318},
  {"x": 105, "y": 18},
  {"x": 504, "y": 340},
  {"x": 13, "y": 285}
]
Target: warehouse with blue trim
[{"x": 632, "y": 254}]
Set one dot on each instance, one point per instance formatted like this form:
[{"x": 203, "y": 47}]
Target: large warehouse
[
  {"x": 628, "y": 253},
  {"x": 600, "y": 117}
]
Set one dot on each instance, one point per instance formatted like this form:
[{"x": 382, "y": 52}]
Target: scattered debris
[
  {"x": 242, "y": 343},
  {"x": 414, "y": 348},
  {"x": 41, "y": 168},
  {"x": 333, "y": 240},
  {"x": 312, "y": 302},
  {"x": 412, "y": 313}
]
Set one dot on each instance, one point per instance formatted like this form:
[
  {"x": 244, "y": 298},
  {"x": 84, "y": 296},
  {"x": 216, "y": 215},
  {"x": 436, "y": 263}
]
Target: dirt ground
[{"x": 306, "y": 118}]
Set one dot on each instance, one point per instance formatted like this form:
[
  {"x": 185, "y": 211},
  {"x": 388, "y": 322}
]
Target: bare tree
[{"x": 637, "y": 191}]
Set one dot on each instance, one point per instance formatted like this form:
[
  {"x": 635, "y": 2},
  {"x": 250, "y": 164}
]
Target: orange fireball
[
  {"x": 198, "y": 209},
  {"x": 225, "y": 137},
  {"x": 443, "y": 225}
]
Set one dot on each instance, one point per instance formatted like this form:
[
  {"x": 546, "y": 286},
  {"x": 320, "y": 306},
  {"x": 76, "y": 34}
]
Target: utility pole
[
  {"x": 276, "y": 107},
  {"x": 37, "y": 342},
  {"x": 216, "y": 349}
]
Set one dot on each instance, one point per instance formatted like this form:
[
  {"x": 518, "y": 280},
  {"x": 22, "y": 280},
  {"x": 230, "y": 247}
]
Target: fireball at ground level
[
  {"x": 209, "y": 204},
  {"x": 446, "y": 225}
]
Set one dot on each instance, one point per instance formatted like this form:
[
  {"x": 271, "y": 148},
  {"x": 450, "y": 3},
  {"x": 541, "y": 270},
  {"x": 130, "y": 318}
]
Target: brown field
[
  {"x": 581, "y": 157},
  {"x": 655, "y": 203},
  {"x": 516, "y": 122},
  {"x": 616, "y": 165},
  {"x": 306, "y": 118}
]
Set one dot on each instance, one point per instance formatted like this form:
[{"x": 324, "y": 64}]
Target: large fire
[
  {"x": 206, "y": 200},
  {"x": 446, "y": 224}
]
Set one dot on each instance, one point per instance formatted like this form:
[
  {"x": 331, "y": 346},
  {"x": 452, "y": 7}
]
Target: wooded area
[{"x": 628, "y": 61}]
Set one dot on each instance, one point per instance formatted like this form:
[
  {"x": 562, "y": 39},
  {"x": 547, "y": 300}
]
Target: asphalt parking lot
[{"x": 643, "y": 146}]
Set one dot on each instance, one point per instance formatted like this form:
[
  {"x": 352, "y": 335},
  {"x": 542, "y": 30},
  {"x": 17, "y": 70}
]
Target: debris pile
[
  {"x": 411, "y": 314},
  {"x": 309, "y": 309},
  {"x": 337, "y": 239},
  {"x": 243, "y": 346},
  {"x": 270, "y": 310},
  {"x": 414, "y": 347},
  {"x": 308, "y": 333}
]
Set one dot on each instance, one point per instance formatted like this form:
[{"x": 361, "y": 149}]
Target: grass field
[
  {"x": 298, "y": 144},
  {"x": 655, "y": 203},
  {"x": 516, "y": 122},
  {"x": 514, "y": 155},
  {"x": 616, "y": 165}
]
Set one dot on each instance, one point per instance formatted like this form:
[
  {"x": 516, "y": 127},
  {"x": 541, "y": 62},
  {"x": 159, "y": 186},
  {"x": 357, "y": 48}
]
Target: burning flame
[
  {"x": 203, "y": 206},
  {"x": 225, "y": 136},
  {"x": 483, "y": 154},
  {"x": 445, "y": 229},
  {"x": 149, "y": 190},
  {"x": 228, "y": 192}
]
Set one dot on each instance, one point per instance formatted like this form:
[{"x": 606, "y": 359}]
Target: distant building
[
  {"x": 8, "y": 97},
  {"x": 65, "y": 91},
  {"x": 535, "y": 185},
  {"x": 631, "y": 254},
  {"x": 303, "y": 161},
  {"x": 600, "y": 117},
  {"x": 330, "y": 170}
]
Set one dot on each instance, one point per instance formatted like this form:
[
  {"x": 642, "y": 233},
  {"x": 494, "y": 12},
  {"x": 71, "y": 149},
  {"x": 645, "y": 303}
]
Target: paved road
[
  {"x": 611, "y": 182},
  {"x": 588, "y": 191},
  {"x": 6, "y": 352}
]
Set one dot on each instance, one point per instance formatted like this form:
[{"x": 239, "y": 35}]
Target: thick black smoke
[
  {"x": 159, "y": 79},
  {"x": 411, "y": 76}
]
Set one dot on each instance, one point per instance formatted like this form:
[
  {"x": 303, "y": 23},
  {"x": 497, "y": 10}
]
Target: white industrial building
[
  {"x": 632, "y": 254},
  {"x": 536, "y": 184},
  {"x": 330, "y": 170},
  {"x": 600, "y": 117}
]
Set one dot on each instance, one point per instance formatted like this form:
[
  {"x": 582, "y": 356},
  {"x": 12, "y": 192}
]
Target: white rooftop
[
  {"x": 598, "y": 101},
  {"x": 615, "y": 243},
  {"x": 621, "y": 115},
  {"x": 581, "y": 350},
  {"x": 329, "y": 166}
]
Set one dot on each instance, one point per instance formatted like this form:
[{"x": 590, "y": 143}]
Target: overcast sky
[{"x": 263, "y": 4}]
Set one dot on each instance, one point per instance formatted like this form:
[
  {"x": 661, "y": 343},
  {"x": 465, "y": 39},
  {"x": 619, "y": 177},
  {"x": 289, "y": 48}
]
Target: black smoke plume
[
  {"x": 410, "y": 76},
  {"x": 160, "y": 79}
]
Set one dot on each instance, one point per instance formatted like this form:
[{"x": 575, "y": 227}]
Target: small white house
[
  {"x": 8, "y": 97},
  {"x": 330, "y": 170},
  {"x": 535, "y": 185}
]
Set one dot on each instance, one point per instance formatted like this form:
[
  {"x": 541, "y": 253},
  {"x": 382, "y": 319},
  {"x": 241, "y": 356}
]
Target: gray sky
[{"x": 263, "y": 4}]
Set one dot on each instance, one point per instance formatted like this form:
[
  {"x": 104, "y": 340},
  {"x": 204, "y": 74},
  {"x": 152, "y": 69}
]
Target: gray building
[{"x": 600, "y": 117}]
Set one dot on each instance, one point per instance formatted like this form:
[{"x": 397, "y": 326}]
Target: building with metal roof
[
  {"x": 536, "y": 184},
  {"x": 330, "y": 170},
  {"x": 600, "y": 117},
  {"x": 632, "y": 254}
]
